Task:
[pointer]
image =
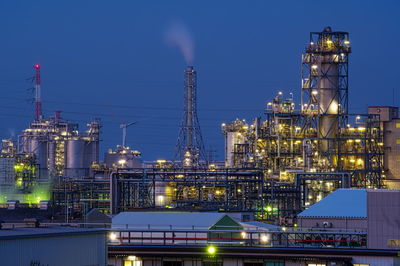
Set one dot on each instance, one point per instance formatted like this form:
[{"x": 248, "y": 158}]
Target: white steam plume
[{"x": 178, "y": 35}]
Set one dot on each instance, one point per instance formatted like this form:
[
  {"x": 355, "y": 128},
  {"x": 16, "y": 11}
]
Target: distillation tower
[
  {"x": 190, "y": 147},
  {"x": 319, "y": 138}
]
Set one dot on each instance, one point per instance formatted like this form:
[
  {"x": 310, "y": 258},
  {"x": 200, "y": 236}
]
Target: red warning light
[{"x": 37, "y": 66}]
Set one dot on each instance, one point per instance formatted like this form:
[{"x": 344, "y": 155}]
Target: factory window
[
  {"x": 316, "y": 264},
  {"x": 132, "y": 263},
  {"x": 398, "y": 158},
  {"x": 361, "y": 264},
  {"x": 398, "y": 141},
  {"x": 398, "y": 125}
]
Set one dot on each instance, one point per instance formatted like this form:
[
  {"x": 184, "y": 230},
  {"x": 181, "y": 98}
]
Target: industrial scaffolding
[
  {"x": 212, "y": 189},
  {"x": 319, "y": 137},
  {"x": 76, "y": 197}
]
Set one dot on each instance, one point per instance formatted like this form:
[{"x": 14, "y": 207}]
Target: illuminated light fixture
[
  {"x": 284, "y": 229},
  {"x": 347, "y": 42},
  {"x": 244, "y": 235},
  {"x": 314, "y": 66},
  {"x": 211, "y": 250},
  {"x": 122, "y": 162},
  {"x": 112, "y": 236},
  {"x": 314, "y": 92},
  {"x": 264, "y": 238},
  {"x": 280, "y": 93},
  {"x": 269, "y": 209},
  {"x": 131, "y": 257}
]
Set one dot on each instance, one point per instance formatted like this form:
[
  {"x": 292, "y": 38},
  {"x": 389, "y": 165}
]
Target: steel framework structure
[{"x": 190, "y": 147}]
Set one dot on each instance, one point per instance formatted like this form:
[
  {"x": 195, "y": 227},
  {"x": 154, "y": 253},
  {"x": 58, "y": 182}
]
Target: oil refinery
[{"x": 275, "y": 166}]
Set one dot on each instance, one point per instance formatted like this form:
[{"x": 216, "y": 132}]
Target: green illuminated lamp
[{"x": 211, "y": 250}]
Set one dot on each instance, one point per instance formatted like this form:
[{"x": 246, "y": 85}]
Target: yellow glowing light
[
  {"x": 244, "y": 235},
  {"x": 211, "y": 250},
  {"x": 112, "y": 236},
  {"x": 131, "y": 258}
]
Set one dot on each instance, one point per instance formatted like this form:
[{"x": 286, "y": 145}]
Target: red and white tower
[{"x": 38, "y": 101}]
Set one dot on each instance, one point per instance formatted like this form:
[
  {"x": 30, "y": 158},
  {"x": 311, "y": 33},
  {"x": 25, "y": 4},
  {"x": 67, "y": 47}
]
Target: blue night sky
[{"x": 110, "y": 59}]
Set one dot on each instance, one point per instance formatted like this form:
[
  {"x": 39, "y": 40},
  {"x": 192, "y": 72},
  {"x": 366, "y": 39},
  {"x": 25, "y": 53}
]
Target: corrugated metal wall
[{"x": 76, "y": 250}]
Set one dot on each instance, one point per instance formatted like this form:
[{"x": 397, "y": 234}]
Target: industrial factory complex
[{"x": 305, "y": 184}]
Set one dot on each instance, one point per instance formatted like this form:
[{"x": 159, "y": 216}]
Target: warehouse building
[
  {"x": 53, "y": 246},
  {"x": 374, "y": 211}
]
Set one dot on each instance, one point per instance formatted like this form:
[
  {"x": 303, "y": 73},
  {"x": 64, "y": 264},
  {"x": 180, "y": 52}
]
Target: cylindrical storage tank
[
  {"x": 74, "y": 158},
  {"x": 231, "y": 139},
  {"x": 89, "y": 156}
]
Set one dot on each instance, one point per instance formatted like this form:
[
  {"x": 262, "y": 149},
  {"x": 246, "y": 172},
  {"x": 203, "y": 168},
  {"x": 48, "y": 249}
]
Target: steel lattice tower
[
  {"x": 190, "y": 147},
  {"x": 325, "y": 84}
]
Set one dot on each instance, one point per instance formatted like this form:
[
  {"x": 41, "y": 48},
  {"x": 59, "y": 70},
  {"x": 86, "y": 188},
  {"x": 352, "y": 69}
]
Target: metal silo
[{"x": 74, "y": 158}]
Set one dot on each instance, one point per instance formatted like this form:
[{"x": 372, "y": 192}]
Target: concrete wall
[
  {"x": 337, "y": 223},
  {"x": 55, "y": 251},
  {"x": 383, "y": 218},
  {"x": 392, "y": 153}
]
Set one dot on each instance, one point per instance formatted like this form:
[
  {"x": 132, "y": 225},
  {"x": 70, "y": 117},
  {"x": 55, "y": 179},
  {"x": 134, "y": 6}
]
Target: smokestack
[{"x": 38, "y": 101}]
